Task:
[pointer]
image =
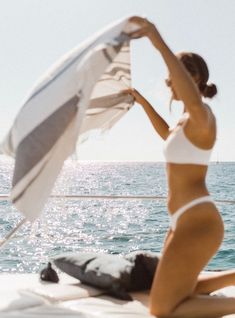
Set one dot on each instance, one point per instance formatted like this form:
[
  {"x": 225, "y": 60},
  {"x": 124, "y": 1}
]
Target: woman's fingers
[
  {"x": 148, "y": 29},
  {"x": 127, "y": 91},
  {"x": 131, "y": 91},
  {"x": 139, "y": 34},
  {"x": 143, "y": 31},
  {"x": 138, "y": 20},
  {"x": 134, "y": 93}
]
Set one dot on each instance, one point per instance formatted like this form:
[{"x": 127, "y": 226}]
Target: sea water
[{"x": 106, "y": 225}]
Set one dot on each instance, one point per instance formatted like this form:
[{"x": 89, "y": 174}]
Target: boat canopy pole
[{"x": 11, "y": 233}]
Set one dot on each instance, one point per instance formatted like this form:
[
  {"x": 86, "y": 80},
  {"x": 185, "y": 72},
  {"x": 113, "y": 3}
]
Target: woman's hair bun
[{"x": 208, "y": 90}]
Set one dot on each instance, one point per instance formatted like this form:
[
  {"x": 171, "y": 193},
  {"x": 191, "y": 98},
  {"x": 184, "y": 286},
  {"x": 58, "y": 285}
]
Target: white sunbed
[{"x": 24, "y": 296}]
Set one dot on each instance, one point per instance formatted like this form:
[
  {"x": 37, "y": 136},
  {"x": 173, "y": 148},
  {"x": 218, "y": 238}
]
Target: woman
[{"x": 196, "y": 226}]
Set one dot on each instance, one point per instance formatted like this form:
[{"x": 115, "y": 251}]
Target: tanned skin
[{"x": 178, "y": 289}]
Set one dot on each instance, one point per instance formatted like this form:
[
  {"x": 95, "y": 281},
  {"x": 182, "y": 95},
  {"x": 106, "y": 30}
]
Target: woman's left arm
[{"x": 184, "y": 85}]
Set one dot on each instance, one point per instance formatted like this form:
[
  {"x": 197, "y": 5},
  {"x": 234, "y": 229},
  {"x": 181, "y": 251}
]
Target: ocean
[{"x": 106, "y": 225}]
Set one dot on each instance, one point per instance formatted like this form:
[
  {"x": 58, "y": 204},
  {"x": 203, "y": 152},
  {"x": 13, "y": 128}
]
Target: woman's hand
[
  {"x": 137, "y": 96},
  {"x": 147, "y": 29}
]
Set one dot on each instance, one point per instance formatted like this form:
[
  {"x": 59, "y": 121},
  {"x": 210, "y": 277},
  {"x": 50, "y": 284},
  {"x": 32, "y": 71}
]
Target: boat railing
[{"x": 6, "y": 197}]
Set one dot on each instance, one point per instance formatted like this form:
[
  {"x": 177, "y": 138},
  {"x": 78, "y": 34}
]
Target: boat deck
[{"x": 24, "y": 295}]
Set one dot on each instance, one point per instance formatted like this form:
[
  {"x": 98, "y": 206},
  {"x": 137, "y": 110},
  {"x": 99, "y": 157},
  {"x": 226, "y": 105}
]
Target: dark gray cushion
[
  {"x": 116, "y": 274},
  {"x": 143, "y": 270}
]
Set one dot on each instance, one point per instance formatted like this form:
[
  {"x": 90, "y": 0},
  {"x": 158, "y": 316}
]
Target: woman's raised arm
[{"x": 185, "y": 87}]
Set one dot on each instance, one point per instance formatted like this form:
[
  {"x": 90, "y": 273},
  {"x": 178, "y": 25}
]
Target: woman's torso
[{"x": 186, "y": 180}]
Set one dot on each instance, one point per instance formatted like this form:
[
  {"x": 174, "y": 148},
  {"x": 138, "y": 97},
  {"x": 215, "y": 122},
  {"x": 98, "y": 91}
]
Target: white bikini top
[{"x": 178, "y": 149}]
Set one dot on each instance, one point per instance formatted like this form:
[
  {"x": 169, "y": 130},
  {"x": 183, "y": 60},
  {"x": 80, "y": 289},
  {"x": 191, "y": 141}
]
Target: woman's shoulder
[
  {"x": 206, "y": 128},
  {"x": 207, "y": 117}
]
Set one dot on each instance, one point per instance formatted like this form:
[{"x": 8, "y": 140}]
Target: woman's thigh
[{"x": 185, "y": 255}]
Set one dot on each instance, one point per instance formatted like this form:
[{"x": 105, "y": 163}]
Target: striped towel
[{"x": 82, "y": 92}]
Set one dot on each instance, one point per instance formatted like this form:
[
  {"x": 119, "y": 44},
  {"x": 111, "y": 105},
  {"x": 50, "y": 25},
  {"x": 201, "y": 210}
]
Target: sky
[{"x": 35, "y": 33}]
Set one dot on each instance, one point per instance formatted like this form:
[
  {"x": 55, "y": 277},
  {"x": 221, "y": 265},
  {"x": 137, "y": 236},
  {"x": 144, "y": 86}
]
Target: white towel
[{"x": 83, "y": 91}]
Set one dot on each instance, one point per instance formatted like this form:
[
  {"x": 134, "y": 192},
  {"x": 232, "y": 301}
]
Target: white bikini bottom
[{"x": 174, "y": 217}]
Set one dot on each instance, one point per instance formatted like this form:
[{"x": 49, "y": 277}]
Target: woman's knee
[
  {"x": 162, "y": 310},
  {"x": 163, "y": 305}
]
